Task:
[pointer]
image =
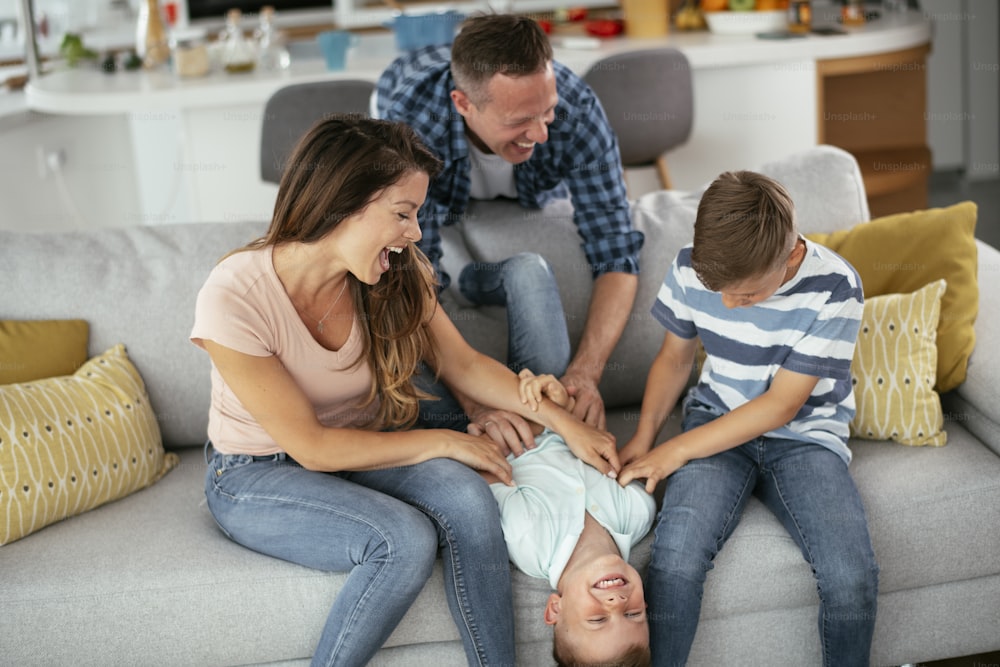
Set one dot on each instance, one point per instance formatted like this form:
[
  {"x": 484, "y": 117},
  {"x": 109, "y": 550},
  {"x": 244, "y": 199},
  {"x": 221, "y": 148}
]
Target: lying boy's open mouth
[{"x": 612, "y": 581}]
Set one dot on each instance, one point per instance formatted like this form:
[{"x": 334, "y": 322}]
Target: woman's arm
[
  {"x": 271, "y": 396},
  {"x": 489, "y": 382}
]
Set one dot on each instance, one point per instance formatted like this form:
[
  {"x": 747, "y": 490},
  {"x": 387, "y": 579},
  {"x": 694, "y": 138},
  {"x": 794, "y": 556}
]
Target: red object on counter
[
  {"x": 576, "y": 13},
  {"x": 604, "y": 27},
  {"x": 546, "y": 26},
  {"x": 170, "y": 9}
]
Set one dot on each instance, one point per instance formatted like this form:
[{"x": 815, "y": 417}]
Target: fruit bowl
[{"x": 746, "y": 23}]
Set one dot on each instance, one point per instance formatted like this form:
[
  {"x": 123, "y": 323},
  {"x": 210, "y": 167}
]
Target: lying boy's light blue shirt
[{"x": 542, "y": 515}]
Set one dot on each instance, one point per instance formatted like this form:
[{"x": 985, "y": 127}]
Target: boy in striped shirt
[{"x": 778, "y": 317}]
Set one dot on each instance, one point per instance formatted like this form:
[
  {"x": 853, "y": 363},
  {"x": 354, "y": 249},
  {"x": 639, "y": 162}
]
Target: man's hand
[
  {"x": 511, "y": 432},
  {"x": 589, "y": 406}
]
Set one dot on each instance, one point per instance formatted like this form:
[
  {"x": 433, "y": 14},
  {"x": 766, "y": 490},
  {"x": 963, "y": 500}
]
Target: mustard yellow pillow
[
  {"x": 901, "y": 253},
  {"x": 894, "y": 369},
  {"x": 35, "y": 349},
  {"x": 69, "y": 444}
]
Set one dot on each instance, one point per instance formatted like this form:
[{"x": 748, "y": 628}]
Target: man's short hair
[
  {"x": 745, "y": 228},
  {"x": 491, "y": 44}
]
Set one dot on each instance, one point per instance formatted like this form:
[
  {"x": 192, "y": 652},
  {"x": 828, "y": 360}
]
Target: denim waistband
[{"x": 280, "y": 456}]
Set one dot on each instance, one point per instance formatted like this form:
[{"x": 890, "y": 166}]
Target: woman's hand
[
  {"x": 478, "y": 452},
  {"x": 510, "y": 431},
  {"x": 592, "y": 446}
]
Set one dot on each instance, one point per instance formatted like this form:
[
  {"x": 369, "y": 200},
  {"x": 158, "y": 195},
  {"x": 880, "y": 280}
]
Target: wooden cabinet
[{"x": 876, "y": 107}]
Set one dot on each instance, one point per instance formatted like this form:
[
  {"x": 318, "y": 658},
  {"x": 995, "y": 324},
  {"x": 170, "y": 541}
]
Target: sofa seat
[{"x": 158, "y": 555}]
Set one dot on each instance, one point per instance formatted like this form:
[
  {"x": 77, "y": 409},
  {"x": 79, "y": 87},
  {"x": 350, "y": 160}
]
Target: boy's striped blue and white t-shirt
[{"x": 809, "y": 325}]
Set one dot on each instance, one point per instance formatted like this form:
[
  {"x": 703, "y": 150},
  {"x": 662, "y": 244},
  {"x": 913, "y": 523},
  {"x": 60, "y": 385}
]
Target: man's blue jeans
[
  {"x": 385, "y": 527},
  {"x": 537, "y": 337},
  {"x": 809, "y": 489}
]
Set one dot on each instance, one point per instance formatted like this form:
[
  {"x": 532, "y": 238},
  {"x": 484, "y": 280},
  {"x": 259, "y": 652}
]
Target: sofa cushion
[
  {"x": 72, "y": 443},
  {"x": 135, "y": 286},
  {"x": 977, "y": 400},
  {"x": 903, "y": 252},
  {"x": 894, "y": 369},
  {"x": 36, "y": 349}
]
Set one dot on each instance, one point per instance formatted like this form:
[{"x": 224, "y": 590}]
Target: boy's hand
[
  {"x": 632, "y": 450},
  {"x": 535, "y": 387},
  {"x": 653, "y": 466}
]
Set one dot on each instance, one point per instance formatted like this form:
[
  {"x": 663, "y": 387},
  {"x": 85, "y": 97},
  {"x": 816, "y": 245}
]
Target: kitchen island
[{"x": 196, "y": 142}]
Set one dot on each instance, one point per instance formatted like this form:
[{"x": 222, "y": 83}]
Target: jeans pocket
[{"x": 220, "y": 464}]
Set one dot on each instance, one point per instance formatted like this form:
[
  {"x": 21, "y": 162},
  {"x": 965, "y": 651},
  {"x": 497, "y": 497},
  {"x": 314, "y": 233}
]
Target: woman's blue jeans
[
  {"x": 809, "y": 489},
  {"x": 385, "y": 527}
]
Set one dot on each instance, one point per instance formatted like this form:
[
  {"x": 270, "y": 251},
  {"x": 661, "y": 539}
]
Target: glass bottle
[
  {"x": 853, "y": 13},
  {"x": 151, "y": 43},
  {"x": 237, "y": 51},
  {"x": 271, "y": 51},
  {"x": 799, "y": 16}
]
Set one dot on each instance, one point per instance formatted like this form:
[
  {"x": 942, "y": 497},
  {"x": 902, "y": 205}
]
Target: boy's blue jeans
[
  {"x": 809, "y": 489},
  {"x": 385, "y": 527},
  {"x": 537, "y": 337}
]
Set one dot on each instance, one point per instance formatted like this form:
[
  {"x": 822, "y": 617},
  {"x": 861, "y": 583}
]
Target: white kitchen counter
[{"x": 196, "y": 142}]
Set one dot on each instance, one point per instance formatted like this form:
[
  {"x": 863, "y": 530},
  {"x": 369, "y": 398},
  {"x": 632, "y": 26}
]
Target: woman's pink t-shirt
[{"x": 244, "y": 306}]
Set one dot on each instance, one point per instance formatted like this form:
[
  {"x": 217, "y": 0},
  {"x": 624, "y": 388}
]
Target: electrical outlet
[{"x": 50, "y": 160}]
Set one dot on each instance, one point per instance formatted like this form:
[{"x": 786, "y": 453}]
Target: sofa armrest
[{"x": 976, "y": 402}]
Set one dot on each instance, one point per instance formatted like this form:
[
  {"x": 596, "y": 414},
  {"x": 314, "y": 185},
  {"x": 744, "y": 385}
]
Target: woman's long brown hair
[{"x": 338, "y": 167}]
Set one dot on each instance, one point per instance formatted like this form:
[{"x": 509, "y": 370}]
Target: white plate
[{"x": 746, "y": 23}]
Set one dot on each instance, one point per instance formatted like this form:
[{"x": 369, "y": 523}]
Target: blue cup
[
  {"x": 334, "y": 45},
  {"x": 414, "y": 31}
]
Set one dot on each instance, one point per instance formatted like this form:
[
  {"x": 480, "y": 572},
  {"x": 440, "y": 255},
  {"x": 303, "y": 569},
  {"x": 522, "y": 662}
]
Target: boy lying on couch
[{"x": 566, "y": 522}]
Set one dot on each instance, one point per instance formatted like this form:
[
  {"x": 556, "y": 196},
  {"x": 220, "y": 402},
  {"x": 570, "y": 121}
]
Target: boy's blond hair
[
  {"x": 635, "y": 656},
  {"x": 745, "y": 228}
]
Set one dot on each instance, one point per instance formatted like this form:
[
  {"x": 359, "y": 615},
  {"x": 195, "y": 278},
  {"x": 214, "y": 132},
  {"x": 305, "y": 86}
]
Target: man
[{"x": 509, "y": 121}]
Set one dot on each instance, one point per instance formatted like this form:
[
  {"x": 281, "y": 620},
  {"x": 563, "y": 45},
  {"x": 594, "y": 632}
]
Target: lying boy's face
[{"x": 600, "y": 611}]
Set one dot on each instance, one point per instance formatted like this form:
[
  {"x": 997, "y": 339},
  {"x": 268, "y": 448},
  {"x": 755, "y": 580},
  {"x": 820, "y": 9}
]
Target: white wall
[
  {"x": 963, "y": 86},
  {"x": 98, "y": 188}
]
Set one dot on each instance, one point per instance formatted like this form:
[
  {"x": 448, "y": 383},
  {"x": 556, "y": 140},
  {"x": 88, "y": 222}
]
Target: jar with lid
[
  {"x": 238, "y": 53},
  {"x": 189, "y": 52}
]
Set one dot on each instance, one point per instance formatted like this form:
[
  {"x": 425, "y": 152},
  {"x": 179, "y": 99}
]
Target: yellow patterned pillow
[
  {"x": 69, "y": 444},
  {"x": 894, "y": 369}
]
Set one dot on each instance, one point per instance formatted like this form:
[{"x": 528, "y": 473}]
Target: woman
[{"x": 314, "y": 332}]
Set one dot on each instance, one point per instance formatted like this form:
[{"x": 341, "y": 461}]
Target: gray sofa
[{"x": 150, "y": 580}]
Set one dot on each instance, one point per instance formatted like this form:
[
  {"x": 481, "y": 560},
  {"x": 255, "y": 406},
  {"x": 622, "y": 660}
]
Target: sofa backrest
[
  {"x": 138, "y": 285},
  {"x": 135, "y": 286},
  {"x": 824, "y": 182}
]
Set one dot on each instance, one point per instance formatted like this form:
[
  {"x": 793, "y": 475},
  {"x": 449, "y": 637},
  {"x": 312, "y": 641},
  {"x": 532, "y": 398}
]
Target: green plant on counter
[{"x": 73, "y": 50}]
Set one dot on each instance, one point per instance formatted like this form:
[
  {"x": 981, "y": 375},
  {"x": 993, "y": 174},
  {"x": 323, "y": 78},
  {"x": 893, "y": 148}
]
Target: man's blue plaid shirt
[{"x": 580, "y": 159}]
